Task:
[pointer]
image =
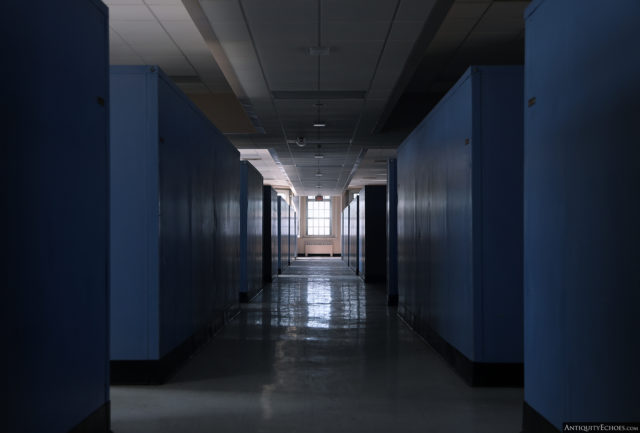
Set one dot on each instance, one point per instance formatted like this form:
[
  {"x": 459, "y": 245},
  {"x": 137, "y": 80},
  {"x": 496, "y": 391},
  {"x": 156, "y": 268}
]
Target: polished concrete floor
[{"x": 318, "y": 351}]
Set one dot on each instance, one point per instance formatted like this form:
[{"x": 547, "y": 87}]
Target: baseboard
[
  {"x": 99, "y": 421},
  {"x": 157, "y": 372},
  {"x": 483, "y": 374},
  {"x": 392, "y": 300},
  {"x": 533, "y": 422}
]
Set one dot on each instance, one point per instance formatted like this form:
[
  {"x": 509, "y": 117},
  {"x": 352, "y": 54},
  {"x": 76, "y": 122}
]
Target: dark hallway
[
  {"x": 317, "y": 351},
  {"x": 320, "y": 216}
]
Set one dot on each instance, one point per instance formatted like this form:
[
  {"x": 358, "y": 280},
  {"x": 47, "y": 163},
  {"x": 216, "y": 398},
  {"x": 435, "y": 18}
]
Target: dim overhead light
[
  {"x": 318, "y": 156},
  {"x": 319, "y": 124}
]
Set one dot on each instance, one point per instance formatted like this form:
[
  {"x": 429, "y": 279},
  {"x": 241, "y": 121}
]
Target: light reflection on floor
[{"x": 318, "y": 351}]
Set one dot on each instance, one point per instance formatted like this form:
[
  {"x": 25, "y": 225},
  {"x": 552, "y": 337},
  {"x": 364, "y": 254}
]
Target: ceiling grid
[
  {"x": 321, "y": 61},
  {"x": 323, "y": 90}
]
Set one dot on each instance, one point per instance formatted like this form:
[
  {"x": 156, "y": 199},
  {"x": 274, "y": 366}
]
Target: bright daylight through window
[{"x": 318, "y": 216}]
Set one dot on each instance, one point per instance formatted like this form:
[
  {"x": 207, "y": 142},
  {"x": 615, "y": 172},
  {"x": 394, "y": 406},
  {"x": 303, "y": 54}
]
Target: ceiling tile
[
  {"x": 137, "y": 12},
  {"x": 170, "y": 12},
  {"x": 358, "y": 10},
  {"x": 349, "y": 31},
  {"x": 415, "y": 9},
  {"x": 274, "y": 10}
]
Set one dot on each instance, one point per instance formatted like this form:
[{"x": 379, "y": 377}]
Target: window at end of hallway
[{"x": 318, "y": 216}]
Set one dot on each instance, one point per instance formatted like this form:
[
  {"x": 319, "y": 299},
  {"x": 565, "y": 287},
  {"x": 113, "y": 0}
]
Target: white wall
[{"x": 336, "y": 208}]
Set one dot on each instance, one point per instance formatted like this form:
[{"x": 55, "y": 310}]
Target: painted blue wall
[
  {"x": 345, "y": 235},
  {"x": 250, "y": 229},
  {"x": 460, "y": 217},
  {"x": 283, "y": 234},
  {"x": 354, "y": 234},
  {"x": 392, "y": 228},
  {"x": 270, "y": 234},
  {"x": 372, "y": 249},
  {"x": 226, "y": 217},
  {"x": 293, "y": 236},
  {"x": 134, "y": 214},
  {"x": 581, "y": 178},
  {"x": 54, "y": 171},
  {"x": 174, "y": 217}
]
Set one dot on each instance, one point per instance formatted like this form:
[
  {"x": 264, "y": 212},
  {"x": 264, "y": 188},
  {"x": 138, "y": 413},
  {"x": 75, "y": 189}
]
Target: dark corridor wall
[
  {"x": 54, "y": 170},
  {"x": 269, "y": 234},
  {"x": 460, "y": 226},
  {"x": 582, "y": 212},
  {"x": 251, "y": 208},
  {"x": 175, "y": 225}
]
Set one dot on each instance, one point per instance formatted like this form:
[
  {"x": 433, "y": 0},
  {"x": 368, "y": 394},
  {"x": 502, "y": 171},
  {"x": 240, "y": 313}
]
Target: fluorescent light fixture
[
  {"x": 319, "y": 124},
  {"x": 318, "y": 156}
]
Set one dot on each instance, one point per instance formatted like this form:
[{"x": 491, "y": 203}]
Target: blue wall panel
[
  {"x": 460, "y": 218},
  {"x": 227, "y": 227},
  {"x": 372, "y": 245},
  {"x": 392, "y": 231},
  {"x": 134, "y": 210},
  {"x": 293, "y": 235},
  {"x": 174, "y": 217},
  {"x": 283, "y": 235},
  {"x": 581, "y": 178},
  {"x": 54, "y": 171},
  {"x": 354, "y": 234},
  {"x": 270, "y": 234},
  {"x": 250, "y": 231},
  {"x": 344, "y": 253}
]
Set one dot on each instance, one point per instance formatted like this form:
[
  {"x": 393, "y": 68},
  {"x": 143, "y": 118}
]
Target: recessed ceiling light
[
  {"x": 318, "y": 156},
  {"x": 319, "y": 124}
]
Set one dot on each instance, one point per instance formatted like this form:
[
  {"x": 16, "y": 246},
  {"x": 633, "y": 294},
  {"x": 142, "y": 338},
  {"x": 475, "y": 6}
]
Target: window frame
[{"x": 311, "y": 201}]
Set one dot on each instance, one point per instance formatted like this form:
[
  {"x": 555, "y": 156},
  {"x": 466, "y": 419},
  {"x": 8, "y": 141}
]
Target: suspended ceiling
[
  {"x": 266, "y": 71},
  {"x": 162, "y": 32}
]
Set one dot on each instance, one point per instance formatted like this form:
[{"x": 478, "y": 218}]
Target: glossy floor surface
[{"x": 318, "y": 351}]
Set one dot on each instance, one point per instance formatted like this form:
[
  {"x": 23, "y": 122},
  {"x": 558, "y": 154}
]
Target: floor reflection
[
  {"x": 319, "y": 306},
  {"x": 318, "y": 351}
]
